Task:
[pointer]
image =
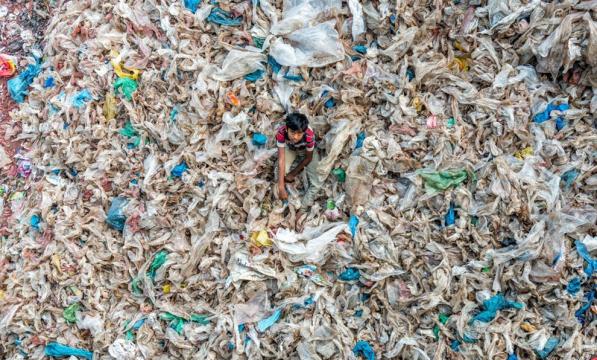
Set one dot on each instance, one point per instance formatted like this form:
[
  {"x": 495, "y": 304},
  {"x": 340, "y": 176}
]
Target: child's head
[{"x": 296, "y": 125}]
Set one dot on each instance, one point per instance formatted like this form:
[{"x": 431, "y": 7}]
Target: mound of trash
[{"x": 456, "y": 221}]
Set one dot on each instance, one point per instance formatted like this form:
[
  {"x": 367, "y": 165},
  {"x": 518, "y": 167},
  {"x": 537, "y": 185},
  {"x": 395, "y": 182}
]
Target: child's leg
[{"x": 315, "y": 182}]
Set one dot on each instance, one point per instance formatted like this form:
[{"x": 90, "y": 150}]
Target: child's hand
[
  {"x": 289, "y": 178},
  {"x": 282, "y": 194}
]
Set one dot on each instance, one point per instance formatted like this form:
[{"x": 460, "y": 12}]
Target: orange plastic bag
[{"x": 7, "y": 67}]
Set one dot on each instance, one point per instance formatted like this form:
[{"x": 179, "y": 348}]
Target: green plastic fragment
[
  {"x": 128, "y": 130},
  {"x": 158, "y": 260},
  {"x": 69, "y": 313},
  {"x": 340, "y": 174},
  {"x": 443, "y": 319},
  {"x": 258, "y": 41},
  {"x": 485, "y": 269},
  {"x": 451, "y": 122},
  {"x": 126, "y": 87},
  {"x": 135, "y": 286},
  {"x": 436, "y": 181},
  {"x": 331, "y": 205},
  {"x": 200, "y": 318},
  {"x": 176, "y": 322}
]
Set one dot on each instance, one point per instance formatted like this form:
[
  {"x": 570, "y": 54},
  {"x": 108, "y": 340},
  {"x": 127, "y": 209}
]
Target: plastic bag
[
  {"x": 310, "y": 245},
  {"x": 240, "y": 63},
  {"x": 125, "y": 86},
  {"x": 60, "y": 350},
  {"x": 7, "y": 66},
  {"x": 116, "y": 217},
  {"x": 358, "y": 21},
  {"x": 299, "y": 13},
  {"x": 18, "y": 86},
  {"x": 315, "y": 46},
  {"x": 192, "y": 5}
]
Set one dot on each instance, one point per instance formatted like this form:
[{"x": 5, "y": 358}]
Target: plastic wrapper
[{"x": 140, "y": 218}]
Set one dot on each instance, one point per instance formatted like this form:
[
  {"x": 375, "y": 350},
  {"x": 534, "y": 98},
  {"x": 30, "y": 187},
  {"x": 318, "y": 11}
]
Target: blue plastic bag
[
  {"x": 18, "y": 86},
  {"x": 353, "y": 222},
  {"x": 546, "y": 114},
  {"x": 49, "y": 82},
  {"x": 179, "y": 169},
  {"x": 82, "y": 98},
  {"x": 221, "y": 17},
  {"x": 512, "y": 357},
  {"x": 493, "y": 305},
  {"x": 450, "y": 218},
  {"x": 584, "y": 253},
  {"x": 360, "y": 139},
  {"x": 255, "y": 75},
  {"x": 573, "y": 286},
  {"x": 350, "y": 274},
  {"x": 192, "y": 5},
  {"x": 35, "y": 221},
  {"x": 362, "y": 348},
  {"x": 268, "y": 322},
  {"x": 569, "y": 176},
  {"x": 550, "y": 345},
  {"x": 581, "y": 313},
  {"x": 259, "y": 139},
  {"x": 361, "y": 49},
  {"x": 60, "y": 350},
  {"x": 276, "y": 67},
  {"x": 455, "y": 345},
  {"x": 116, "y": 217}
]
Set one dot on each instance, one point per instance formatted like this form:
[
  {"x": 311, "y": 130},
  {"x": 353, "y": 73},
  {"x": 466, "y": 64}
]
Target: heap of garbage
[{"x": 456, "y": 221}]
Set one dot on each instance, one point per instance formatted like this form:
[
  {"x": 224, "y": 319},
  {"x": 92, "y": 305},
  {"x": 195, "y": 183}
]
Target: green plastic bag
[
  {"x": 69, "y": 313},
  {"x": 436, "y": 181},
  {"x": 340, "y": 174},
  {"x": 126, "y": 86},
  {"x": 158, "y": 260}
]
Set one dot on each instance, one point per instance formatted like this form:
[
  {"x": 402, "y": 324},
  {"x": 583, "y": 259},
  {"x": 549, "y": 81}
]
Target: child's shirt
[{"x": 307, "y": 142}]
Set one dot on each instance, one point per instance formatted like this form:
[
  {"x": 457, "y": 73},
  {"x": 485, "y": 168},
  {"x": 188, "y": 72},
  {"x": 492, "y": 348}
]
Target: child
[{"x": 296, "y": 142}]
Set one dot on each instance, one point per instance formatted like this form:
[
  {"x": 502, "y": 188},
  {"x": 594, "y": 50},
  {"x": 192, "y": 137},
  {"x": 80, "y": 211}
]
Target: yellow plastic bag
[
  {"x": 109, "y": 109},
  {"x": 123, "y": 71},
  {"x": 260, "y": 238},
  {"x": 461, "y": 63},
  {"x": 524, "y": 153}
]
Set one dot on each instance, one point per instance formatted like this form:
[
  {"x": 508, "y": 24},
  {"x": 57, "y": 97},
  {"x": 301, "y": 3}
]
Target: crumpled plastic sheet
[{"x": 127, "y": 230}]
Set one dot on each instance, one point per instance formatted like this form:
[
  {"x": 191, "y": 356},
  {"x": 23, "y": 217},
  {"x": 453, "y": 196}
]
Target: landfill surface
[{"x": 456, "y": 221}]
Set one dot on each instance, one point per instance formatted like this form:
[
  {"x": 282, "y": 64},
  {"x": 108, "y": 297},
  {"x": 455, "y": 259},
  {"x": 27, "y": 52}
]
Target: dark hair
[{"x": 297, "y": 122}]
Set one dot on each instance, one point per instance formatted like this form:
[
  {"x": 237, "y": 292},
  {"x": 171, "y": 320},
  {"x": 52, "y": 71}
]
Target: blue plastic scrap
[
  {"x": 546, "y": 115},
  {"x": 18, "y": 86},
  {"x": 179, "y": 169},
  {"x": 350, "y": 274},
  {"x": 276, "y": 67},
  {"x": 410, "y": 74},
  {"x": 450, "y": 218},
  {"x": 455, "y": 345},
  {"x": 512, "y": 357},
  {"x": 222, "y": 17},
  {"x": 584, "y": 253},
  {"x": 116, "y": 218},
  {"x": 192, "y": 5},
  {"x": 361, "y": 49},
  {"x": 581, "y": 313},
  {"x": 49, "y": 82},
  {"x": 259, "y": 139},
  {"x": 569, "y": 176},
  {"x": 81, "y": 98},
  {"x": 293, "y": 77},
  {"x": 330, "y": 103},
  {"x": 173, "y": 113},
  {"x": 268, "y": 322},
  {"x": 353, "y": 223},
  {"x": 59, "y": 350},
  {"x": 550, "y": 345},
  {"x": 35, "y": 221},
  {"x": 362, "y": 348},
  {"x": 493, "y": 305},
  {"x": 573, "y": 286},
  {"x": 360, "y": 140},
  {"x": 255, "y": 75}
]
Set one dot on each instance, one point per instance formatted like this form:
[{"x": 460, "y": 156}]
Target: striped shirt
[{"x": 307, "y": 142}]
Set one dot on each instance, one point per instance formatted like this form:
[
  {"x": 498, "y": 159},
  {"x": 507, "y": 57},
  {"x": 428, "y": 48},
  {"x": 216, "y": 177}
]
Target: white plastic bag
[
  {"x": 240, "y": 63},
  {"x": 310, "y": 245},
  {"x": 315, "y": 46}
]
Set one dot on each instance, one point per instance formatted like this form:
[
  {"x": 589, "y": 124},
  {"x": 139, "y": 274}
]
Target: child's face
[{"x": 295, "y": 136}]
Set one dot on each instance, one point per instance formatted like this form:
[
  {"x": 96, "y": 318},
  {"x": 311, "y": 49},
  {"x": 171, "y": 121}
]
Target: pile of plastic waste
[{"x": 456, "y": 221}]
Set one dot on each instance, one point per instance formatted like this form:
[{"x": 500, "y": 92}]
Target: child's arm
[
  {"x": 281, "y": 170},
  {"x": 297, "y": 170}
]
